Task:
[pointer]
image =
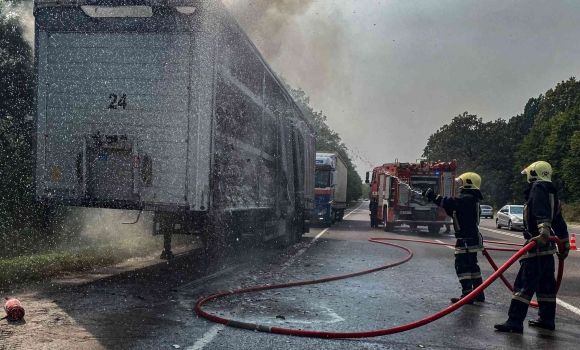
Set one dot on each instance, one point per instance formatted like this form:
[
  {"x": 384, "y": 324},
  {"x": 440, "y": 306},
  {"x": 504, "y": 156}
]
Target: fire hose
[{"x": 379, "y": 332}]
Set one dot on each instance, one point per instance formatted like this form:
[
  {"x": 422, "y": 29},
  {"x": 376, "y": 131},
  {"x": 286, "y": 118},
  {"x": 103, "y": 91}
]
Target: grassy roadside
[{"x": 42, "y": 265}]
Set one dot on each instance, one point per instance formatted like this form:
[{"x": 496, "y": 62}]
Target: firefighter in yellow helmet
[
  {"x": 542, "y": 219},
  {"x": 465, "y": 212}
]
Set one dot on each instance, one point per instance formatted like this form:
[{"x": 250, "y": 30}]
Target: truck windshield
[
  {"x": 322, "y": 178},
  {"x": 421, "y": 183}
]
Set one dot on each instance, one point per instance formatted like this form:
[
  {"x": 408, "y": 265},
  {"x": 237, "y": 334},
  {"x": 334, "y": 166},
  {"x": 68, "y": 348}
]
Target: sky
[{"x": 388, "y": 74}]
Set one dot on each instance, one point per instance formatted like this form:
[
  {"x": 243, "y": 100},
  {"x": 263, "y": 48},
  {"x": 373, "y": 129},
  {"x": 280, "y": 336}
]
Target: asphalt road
[
  {"x": 384, "y": 299},
  {"x": 152, "y": 308}
]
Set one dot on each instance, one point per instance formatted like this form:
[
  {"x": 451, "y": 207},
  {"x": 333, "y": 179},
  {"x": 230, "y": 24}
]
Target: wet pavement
[
  {"x": 383, "y": 299},
  {"x": 157, "y": 311}
]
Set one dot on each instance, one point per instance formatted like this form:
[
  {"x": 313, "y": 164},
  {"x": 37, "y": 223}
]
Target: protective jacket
[
  {"x": 543, "y": 206},
  {"x": 465, "y": 212}
]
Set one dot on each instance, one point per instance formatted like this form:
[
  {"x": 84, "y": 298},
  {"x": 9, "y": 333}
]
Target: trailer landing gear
[
  {"x": 163, "y": 224},
  {"x": 167, "y": 254}
]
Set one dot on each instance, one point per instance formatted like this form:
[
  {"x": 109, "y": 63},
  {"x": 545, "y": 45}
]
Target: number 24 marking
[{"x": 114, "y": 103}]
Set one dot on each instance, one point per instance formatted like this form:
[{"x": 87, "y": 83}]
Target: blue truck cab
[{"x": 330, "y": 189}]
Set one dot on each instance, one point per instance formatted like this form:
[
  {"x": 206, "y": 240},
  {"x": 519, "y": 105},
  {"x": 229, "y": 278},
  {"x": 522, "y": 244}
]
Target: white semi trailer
[{"x": 167, "y": 106}]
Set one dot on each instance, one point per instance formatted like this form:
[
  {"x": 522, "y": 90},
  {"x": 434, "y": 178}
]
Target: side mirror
[{"x": 367, "y": 178}]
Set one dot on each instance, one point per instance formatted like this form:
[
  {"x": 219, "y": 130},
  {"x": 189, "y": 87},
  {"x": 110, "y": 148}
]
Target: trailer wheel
[{"x": 434, "y": 228}]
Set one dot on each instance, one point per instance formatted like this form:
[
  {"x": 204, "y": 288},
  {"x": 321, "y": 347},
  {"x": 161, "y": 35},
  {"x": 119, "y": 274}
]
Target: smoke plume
[
  {"x": 303, "y": 40},
  {"x": 22, "y": 11}
]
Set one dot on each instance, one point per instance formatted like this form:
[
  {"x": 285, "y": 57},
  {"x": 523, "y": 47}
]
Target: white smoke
[{"x": 22, "y": 11}]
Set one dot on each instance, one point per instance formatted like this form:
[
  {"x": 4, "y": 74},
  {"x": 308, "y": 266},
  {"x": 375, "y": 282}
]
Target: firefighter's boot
[
  {"x": 511, "y": 325},
  {"x": 481, "y": 296},
  {"x": 541, "y": 323},
  {"x": 456, "y": 300}
]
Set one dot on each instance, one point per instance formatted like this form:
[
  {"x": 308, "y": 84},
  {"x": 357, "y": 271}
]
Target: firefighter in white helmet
[
  {"x": 542, "y": 219},
  {"x": 465, "y": 212}
]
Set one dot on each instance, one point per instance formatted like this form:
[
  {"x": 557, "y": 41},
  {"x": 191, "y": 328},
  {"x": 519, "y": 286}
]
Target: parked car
[
  {"x": 486, "y": 211},
  {"x": 510, "y": 216}
]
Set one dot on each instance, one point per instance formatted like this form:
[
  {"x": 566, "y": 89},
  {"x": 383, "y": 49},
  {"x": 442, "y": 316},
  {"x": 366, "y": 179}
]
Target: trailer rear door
[{"x": 113, "y": 86}]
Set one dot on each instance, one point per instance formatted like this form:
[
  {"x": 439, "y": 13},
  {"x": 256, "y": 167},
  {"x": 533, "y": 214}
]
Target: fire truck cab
[{"x": 395, "y": 194}]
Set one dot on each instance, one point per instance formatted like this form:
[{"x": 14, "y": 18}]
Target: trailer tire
[
  {"x": 340, "y": 215},
  {"x": 434, "y": 228}
]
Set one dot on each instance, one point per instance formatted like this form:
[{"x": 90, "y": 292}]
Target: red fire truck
[{"x": 395, "y": 194}]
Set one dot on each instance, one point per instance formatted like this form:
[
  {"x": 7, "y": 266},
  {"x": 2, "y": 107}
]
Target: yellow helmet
[
  {"x": 469, "y": 181},
  {"x": 538, "y": 171}
]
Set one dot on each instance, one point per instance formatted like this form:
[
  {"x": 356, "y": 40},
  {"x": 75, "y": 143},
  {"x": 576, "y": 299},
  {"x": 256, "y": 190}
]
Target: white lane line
[
  {"x": 326, "y": 229},
  {"x": 503, "y": 233},
  {"x": 207, "y": 337},
  {"x": 563, "y": 304},
  {"x": 509, "y": 234},
  {"x": 567, "y": 306},
  {"x": 446, "y": 245},
  {"x": 355, "y": 209},
  {"x": 320, "y": 234}
]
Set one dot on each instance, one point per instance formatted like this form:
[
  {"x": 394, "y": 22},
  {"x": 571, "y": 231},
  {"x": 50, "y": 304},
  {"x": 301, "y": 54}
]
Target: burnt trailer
[{"x": 167, "y": 106}]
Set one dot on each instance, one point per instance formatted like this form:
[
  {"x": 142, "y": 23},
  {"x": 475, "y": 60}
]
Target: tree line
[
  {"x": 548, "y": 129},
  {"x": 16, "y": 93},
  {"x": 328, "y": 140}
]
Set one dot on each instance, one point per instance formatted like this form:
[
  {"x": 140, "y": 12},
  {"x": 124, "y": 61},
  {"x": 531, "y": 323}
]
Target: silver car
[
  {"x": 486, "y": 211},
  {"x": 510, "y": 216}
]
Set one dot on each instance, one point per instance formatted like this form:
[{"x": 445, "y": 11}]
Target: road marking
[
  {"x": 502, "y": 233},
  {"x": 355, "y": 209},
  {"x": 510, "y": 234},
  {"x": 568, "y": 306},
  {"x": 445, "y": 243},
  {"x": 320, "y": 234},
  {"x": 326, "y": 229},
  {"x": 207, "y": 337},
  {"x": 563, "y": 304}
]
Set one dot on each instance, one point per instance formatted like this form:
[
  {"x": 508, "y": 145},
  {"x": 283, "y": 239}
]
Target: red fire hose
[{"x": 380, "y": 332}]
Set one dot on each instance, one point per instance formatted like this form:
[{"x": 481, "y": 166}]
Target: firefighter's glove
[
  {"x": 544, "y": 236},
  {"x": 429, "y": 194},
  {"x": 566, "y": 250},
  {"x": 541, "y": 240}
]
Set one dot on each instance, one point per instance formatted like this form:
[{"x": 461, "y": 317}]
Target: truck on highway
[
  {"x": 330, "y": 191},
  {"x": 395, "y": 194},
  {"x": 168, "y": 107}
]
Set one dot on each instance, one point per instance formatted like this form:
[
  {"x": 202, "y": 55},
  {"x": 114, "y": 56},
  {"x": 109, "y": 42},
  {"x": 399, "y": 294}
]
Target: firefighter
[
  {"x": 465, "y": 213},
  {"x": 542, "y": 219}
]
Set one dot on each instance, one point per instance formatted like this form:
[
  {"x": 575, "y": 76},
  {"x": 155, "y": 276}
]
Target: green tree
[
  {"x": 328, "y": 140},
  {"x": 365, "y": 190},
  {"x": 484, "y": 148},
  {"x": 16, "y": 89},
  {"x": 549, "y": 138}
]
